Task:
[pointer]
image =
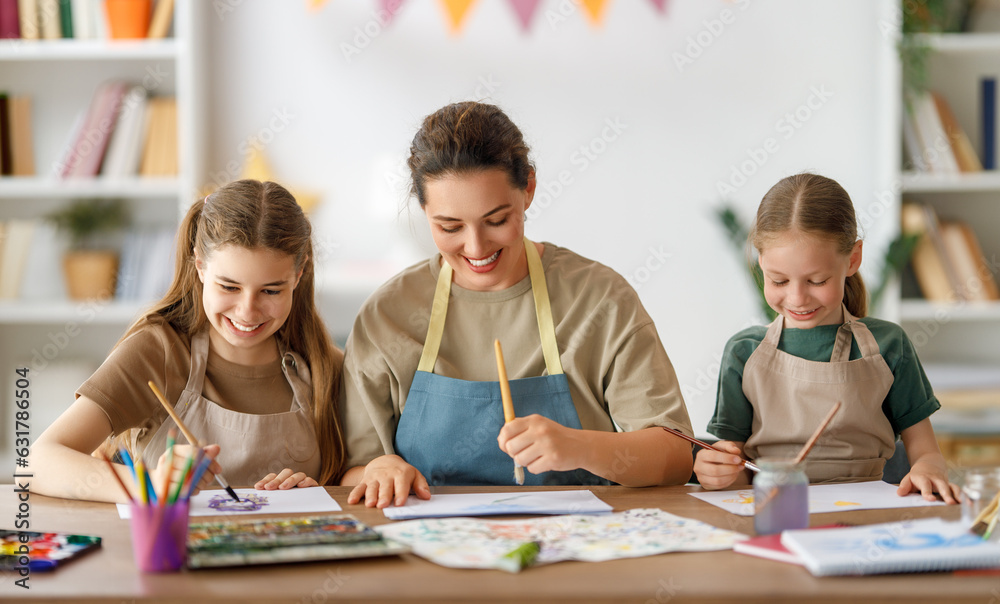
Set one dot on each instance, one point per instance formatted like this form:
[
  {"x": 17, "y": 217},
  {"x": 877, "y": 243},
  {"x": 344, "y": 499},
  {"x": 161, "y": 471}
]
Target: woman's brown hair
[
  {"x": 467, "y": 137},
  {"x": 819, "y": 206},
  {"x": 261, "y": 216}
]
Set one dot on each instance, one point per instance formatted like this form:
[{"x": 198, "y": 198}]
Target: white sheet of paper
[
  {"x": 824, "y": 498},
  {"x": 253, "y": 502},
  {"x": 487, "y": 504}
]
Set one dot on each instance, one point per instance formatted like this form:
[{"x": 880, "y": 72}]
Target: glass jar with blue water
[{"x": 781, "y": 496}]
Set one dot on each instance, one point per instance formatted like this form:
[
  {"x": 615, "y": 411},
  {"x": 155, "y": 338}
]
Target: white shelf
[
  {"x": 48, "y": 188},
  {"x": 930, "y": 182},
  {"x": 88, "y": 50},
  {"x": 961, "y": 43},
  {"x": 918, "y": 310},
  {"x": 91, "y": 312}
]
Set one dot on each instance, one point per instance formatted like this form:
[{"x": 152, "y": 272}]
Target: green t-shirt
[{"x": 910, "y": 399}]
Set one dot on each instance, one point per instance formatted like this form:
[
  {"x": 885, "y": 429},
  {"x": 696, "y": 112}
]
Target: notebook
[
  {"x": 770, "y": 547},
  {"x": 928, "y": 544},
  {"x": 46, "y": 551},
  {"x": 284, "y": 539}
]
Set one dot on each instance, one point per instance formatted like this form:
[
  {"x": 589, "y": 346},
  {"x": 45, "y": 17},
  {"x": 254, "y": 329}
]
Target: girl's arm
[
  {"x": 62, "y": 462},
  {"x": 635, "y": 459},
  {"x": 928, "y": 469},
  {"x": 385, "y": 480}
]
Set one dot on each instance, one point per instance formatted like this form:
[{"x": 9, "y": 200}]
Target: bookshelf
[
  {"x": 956, "y": 337},
  {"x": 61, "y": 340}
]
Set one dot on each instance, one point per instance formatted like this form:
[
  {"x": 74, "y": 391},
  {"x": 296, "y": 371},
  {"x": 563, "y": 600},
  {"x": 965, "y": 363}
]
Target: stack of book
[
  {"x": 947, "y": 261},
  {"x": 935, "y": 141},
  {"x": 76, "y": 19},
  {"x": 123, "y": 133}
]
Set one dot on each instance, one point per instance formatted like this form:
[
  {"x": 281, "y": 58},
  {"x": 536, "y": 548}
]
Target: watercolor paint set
[{"x": 45, "y": 551}]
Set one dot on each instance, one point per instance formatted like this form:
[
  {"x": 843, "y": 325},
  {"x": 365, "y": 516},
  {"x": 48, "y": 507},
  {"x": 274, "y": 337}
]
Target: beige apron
[
  {"x": 251, "y": 445},
  {"x": 791, "y": 396}
]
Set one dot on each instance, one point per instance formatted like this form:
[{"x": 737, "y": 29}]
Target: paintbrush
[
  {"x": 987, "y": 518},
  {"x": 508, "y": 404},
  {"x": 747, "y": 464},
  {"x": 804, "y": 451},
  {"x": 191, "y": 437}
]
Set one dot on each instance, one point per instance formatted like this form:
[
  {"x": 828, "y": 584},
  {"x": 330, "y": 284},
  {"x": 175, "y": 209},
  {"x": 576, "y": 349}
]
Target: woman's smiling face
[{"x": 477, "y": 221}]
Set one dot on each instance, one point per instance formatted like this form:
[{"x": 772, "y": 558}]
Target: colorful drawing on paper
[
  {"x": 471, "y": 543},
  {"x": 486, "y": 504},
  {"x": 824, "y": 498},
  {"x": 250, "y": 503}
]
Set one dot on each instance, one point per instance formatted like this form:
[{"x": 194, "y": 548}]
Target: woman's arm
[
  {"x": 635, "y": 459},
  {"x": 928, "y": 469},
  {"x": 62, "y": 462}
]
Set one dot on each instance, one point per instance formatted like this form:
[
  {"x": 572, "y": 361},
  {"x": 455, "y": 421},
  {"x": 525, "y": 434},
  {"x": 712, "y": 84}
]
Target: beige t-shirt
[
  {"x": 161, "y": 354},
  {"x": 610, "y": 350}
]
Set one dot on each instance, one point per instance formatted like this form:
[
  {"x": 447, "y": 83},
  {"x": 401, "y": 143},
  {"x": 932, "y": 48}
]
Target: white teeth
[
  {"x": 244, "y": 327},
  {"x": 480, "y": 263}
]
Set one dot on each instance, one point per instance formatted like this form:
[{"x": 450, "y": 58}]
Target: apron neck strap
[
  {"x": 543, "y": 313},
  {"x": 866, "y": 341}
]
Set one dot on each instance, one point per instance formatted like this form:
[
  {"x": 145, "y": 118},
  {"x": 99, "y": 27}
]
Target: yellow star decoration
[{"x": 257, "y": 168}]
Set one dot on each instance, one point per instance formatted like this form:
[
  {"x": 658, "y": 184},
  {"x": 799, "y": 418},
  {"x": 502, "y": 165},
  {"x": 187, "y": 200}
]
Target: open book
[{"x": 928, "y": 544}]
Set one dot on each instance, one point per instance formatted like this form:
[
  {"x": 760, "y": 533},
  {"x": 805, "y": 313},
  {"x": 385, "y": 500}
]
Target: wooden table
[{"x": 109, "y": 575}]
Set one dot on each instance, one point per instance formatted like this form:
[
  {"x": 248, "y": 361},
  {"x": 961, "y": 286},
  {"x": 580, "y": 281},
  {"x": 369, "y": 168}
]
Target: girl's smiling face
[
  {"x": 247, "y": 296},
  {"x": 477, "y": 221},
  {"x": 804, "y": 278}
]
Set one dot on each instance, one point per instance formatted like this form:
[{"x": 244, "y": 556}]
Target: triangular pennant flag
[
  {"x": 456, "y": 11},
  {"x": 257, "y": 168},
  {"x": 525, "y": 10},
  {"x": 661, "y": 5},
  {"x": 389, "y": 8},
  {"x": 594, "y": 10},
  {"x": 315, "y": 5}
]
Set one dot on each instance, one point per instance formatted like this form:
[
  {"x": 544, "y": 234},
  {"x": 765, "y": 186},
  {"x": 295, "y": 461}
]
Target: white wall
[{"x": 340, "y": 126}]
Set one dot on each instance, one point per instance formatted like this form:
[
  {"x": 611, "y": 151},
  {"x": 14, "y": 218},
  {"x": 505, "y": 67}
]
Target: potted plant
[{"x": 90, "y": 263}]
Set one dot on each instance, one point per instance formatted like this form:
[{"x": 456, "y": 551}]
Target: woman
[{"x": 422, "y": 402}]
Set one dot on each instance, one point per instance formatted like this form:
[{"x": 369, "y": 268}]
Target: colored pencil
[
  {"x": 191, "y": 437},
  {"x": 508, "y": 404},
  {"x": 171, "y": 437},
  {"x": 118, "y": 478},
  {"x": 704, "y": 445}
]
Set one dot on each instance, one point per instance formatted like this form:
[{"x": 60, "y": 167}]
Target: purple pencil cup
[{"x": 159, "y": 537}]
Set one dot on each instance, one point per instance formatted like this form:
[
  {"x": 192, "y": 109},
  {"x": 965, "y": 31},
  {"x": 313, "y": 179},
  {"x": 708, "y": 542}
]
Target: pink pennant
[
  {"x": 525, "y": 10},
  {"x": 389, "y": 8},
  {"x": 661, "y": 5}
]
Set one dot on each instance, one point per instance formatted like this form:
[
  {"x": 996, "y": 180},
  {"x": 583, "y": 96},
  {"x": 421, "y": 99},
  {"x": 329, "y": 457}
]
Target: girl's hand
[
  {"x": 181, "y": 455},
  {"x": 927, "y": 479},
  {"x": 542, "y": 445},
  {"x": 389, "y": 479},
  {"x": 285, "y": 479},
  {"x": 719, "y": 470}
]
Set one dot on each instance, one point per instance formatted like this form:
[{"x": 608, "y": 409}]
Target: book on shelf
[
  {"x": 947, "y": 260},
  {"x": 27, "y": 17},
  {"x": 961, "y": 147},
  {"x": 124, "y": 148},
  {"x": 159, "y": 24},
  {"x": 22, "y": 152},
  {"x": 91, "y": 142},
  {"x": 48, "y": 19},
  {"x": 935, "y": 144},
  {"x": 10, "y": 26},
  {"x": 6, "y": 160},
  {"x": 146, "y": 264},
  {"x": 923, "y": 545},
  {"x": 988, "y": 121},
  {"x": 159, "y": 156},
  {"x": 15, "y": 243}
]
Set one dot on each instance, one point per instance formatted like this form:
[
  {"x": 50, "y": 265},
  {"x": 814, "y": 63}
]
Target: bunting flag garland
[
  {"x": 456, "y": 11},
  {"x": 525, "y": 10},
  {"x": 594, "y": 9}
]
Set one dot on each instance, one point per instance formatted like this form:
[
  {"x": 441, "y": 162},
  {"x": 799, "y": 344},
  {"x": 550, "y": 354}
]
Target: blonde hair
[
  {"x": 260, "y": 215},
  {"x": 819, "y": 206}
]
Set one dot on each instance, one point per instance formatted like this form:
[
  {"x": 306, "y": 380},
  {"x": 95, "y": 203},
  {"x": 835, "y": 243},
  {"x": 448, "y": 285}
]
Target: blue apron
[{"x": 448, "y": 428}]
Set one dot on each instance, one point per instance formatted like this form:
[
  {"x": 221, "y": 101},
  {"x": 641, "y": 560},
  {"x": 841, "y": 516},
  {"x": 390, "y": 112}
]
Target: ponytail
[{"x": 856, "y": 296}]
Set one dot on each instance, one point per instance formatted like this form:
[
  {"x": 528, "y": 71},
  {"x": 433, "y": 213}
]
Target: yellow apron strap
[
  {"x": 435, "y": 329},
  {"x": 543, "y": 309}
]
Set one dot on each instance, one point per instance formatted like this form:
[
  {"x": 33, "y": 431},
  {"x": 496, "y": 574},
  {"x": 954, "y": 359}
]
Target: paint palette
[
  {"x": 285, "y": 539},
  {"x": 45, "y": 552}
]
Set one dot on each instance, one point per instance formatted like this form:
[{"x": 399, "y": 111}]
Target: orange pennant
[
  {"x": 315, "y": 5},
  {"x": 594, "y": 10},
  {"x": 456, "y": 11}
]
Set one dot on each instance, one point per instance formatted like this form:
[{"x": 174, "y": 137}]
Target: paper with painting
[
  {"x": 824, "y": 498},
  {"x": 253, "y": 502},
  {"x": 472, "y": 543}
]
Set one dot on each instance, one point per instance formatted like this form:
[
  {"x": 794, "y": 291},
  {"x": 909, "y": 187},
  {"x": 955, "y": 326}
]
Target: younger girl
[
  {"x": 228, "y": 346},
  {"x": 777, "y": 383}
]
